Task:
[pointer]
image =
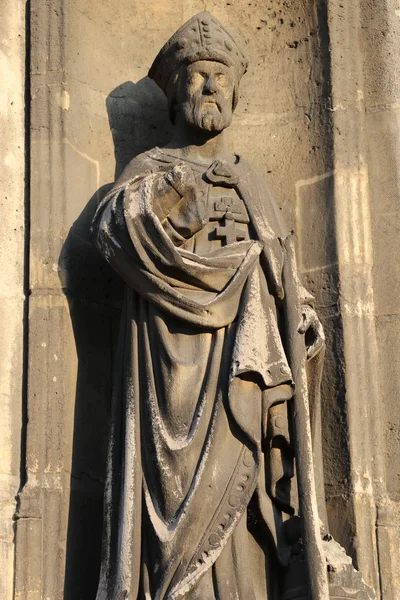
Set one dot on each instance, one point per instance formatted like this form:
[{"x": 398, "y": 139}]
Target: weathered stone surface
[
  {"x": 88, "y": 75},
  {"x": 321, "y": 97},
  {"x": 381, "y": 35},
  {"x": 174, "y": 439},
  {"x": 12, "y": 223}
]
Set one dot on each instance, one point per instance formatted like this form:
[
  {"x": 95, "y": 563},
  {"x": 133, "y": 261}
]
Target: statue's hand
[
  {"x": 170, "y": 187},
  {"x": 189, "y": 214},
  {"x": 311, "y": 326},
  {"x": 179, "y": 202},
  {"x": 181, "y": 177}
]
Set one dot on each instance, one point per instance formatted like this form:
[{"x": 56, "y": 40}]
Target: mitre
[{"x": 203, "y": 37}]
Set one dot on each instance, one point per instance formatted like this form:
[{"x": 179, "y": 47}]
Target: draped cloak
[{"x": 197, "y": 491}]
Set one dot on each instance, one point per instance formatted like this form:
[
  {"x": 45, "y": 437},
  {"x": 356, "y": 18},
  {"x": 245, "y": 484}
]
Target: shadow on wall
[
  {"x": 138, "y": 117},
  {"x": 138, "y": 120}
]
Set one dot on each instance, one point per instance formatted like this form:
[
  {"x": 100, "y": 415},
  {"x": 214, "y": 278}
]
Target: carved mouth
[{"x": 210, "y": 104}]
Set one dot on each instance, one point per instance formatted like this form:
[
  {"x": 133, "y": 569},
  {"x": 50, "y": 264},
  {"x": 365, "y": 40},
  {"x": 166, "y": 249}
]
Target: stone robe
[{"x": 200, "y": 464}]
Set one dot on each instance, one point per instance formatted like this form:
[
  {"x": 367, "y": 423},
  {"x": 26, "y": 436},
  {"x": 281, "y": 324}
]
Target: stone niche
[{"x": 92, "y": 110}]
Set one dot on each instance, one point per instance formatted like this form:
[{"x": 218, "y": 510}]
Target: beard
[{"x": 207, "y": 113}]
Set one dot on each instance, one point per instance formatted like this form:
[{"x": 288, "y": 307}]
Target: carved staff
[{"x": 302, "y": 430}]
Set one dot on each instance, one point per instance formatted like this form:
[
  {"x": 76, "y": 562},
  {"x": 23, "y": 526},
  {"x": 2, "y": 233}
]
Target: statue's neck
[{"x": 197, "y": 145}]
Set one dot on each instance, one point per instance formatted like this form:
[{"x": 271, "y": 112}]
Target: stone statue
[{"x": 200, "y": 498}]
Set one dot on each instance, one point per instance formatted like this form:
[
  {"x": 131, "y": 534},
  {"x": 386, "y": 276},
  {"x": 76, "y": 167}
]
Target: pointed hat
[{"x": 203, "y": 37}]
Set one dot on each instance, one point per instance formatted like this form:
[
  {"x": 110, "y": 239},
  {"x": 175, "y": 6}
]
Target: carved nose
[{"x": 210, "y": 86}]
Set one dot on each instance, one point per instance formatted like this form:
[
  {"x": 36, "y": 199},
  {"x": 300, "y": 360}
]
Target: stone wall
[
  {"x": 12, "y": 254},
  {"x": 318, "y": 116},
  {"x": 382, "y": 124}
]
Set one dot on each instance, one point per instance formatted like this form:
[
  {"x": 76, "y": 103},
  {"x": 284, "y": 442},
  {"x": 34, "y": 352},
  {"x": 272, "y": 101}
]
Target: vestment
[{"x": 195, "y": 481}]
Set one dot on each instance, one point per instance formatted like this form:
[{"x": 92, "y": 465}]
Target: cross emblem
[{"x": 228, "y": 232}]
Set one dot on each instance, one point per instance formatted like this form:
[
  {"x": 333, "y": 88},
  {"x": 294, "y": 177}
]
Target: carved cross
[{"x": 229, "y": 231}]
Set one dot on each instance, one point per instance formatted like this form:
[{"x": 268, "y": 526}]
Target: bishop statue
[{"x": 200, "y": 500}]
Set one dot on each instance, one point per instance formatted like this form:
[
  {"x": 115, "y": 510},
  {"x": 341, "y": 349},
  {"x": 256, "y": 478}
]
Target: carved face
[{"x": 205, "y": 95}]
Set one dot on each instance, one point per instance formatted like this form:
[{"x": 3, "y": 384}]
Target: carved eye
[
  {"x": 221, "y": 79},
  {"x": 196, "y": 79}
]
